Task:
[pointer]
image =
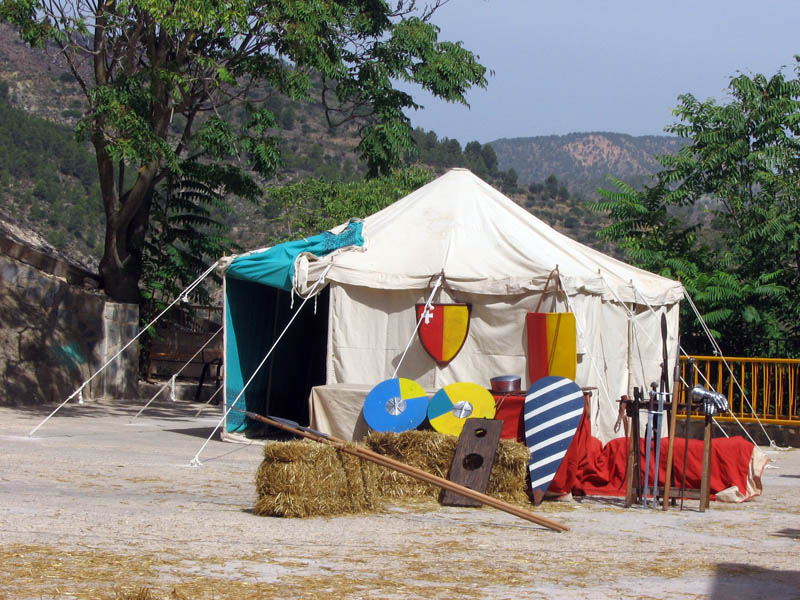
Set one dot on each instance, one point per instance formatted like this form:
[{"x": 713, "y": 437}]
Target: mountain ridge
[
  {"x": 584, "y": 160},
  {"x": 552, "y": 177}
]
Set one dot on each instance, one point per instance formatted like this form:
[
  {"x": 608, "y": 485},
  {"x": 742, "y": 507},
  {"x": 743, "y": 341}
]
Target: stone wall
[{"x": 54, "y": 336}]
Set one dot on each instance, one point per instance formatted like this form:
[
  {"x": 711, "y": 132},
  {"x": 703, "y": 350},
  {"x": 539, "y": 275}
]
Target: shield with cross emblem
[{"x": 443, "y": 329}]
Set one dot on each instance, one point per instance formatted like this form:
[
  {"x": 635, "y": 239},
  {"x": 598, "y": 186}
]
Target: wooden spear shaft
[{"x": 411, "y": 471}]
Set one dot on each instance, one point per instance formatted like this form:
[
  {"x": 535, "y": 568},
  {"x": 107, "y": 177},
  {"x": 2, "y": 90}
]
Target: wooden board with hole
[{"x": 473, "y": 459}]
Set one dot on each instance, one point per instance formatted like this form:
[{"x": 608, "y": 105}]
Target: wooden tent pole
[
  {"x": 705, "y": 476},
  {"x": 396, "y": 465}
]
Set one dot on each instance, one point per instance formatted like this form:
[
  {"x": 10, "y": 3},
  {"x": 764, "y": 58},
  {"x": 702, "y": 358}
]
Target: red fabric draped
[{"x": 591, "y": 469}]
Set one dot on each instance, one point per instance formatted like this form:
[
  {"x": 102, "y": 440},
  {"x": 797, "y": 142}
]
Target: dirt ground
[{"x": 97, "y": 504}]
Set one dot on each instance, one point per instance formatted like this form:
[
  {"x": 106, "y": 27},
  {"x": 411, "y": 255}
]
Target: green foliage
[
  {"x": 446, "y": 153},
  {"x": 187, "y": 232},
  {"x": 59, "y": 176},
  {"x": 743, "y": 156},
  {"x": 157, "y": 64},
  {"x": 315, "y": 205}
]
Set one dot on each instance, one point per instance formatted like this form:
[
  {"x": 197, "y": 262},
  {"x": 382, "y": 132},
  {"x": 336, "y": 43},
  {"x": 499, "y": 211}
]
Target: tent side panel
[
  {"x": 248, "y": 335},
  {"x": 369, "y": 330}
]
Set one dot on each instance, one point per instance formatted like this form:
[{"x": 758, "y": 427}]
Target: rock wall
[{"x": 54, "y": 336}]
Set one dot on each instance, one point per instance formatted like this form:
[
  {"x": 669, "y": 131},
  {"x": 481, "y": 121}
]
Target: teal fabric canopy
[
  {"x": 252, "y": 312},
  {"x": 275, "y": 266}
]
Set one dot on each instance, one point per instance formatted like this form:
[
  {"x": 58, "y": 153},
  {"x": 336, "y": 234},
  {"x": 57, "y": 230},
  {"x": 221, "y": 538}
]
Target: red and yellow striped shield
[
  {"x": 443, "y": 329},
  {"x": 552, "y": 345}
]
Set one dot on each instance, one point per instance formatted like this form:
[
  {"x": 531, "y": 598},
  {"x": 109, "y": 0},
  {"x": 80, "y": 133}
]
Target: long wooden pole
[
  {"x": 402, "y": 467},
  {"x": 673, "y": 416}
]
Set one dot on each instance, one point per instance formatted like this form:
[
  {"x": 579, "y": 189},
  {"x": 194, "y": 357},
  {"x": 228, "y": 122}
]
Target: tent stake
[{"x": 396, "y": 465}]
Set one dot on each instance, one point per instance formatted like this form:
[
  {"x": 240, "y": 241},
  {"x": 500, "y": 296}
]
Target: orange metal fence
[{"x": 764, "y": 387}]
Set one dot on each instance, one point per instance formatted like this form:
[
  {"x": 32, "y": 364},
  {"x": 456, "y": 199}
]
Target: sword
[
  {"x": 651, "y": 412},
  {"x": 662, "y": 396},
  {"x": 658, "y": 420}
]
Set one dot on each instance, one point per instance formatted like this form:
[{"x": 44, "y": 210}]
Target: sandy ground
[{"x": 98, "y": 505}]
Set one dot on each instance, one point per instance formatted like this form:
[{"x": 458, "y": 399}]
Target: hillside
[
  {"x": 584, "y": 160},
  {"x": 57, "y": 196}
]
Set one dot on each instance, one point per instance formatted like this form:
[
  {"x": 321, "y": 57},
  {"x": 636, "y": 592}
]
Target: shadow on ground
[{"x": 738, "y": 580}]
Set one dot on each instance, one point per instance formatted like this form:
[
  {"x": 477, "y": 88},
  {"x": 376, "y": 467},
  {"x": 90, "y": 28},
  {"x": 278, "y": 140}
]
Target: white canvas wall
[{"x": 369, "y": 329}]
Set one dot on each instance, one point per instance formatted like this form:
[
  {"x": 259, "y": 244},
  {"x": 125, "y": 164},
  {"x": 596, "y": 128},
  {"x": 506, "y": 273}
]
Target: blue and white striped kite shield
[{"x": 553, "y": 409}]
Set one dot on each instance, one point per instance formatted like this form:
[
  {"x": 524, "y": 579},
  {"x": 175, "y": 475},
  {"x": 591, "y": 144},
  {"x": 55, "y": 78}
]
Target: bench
[{"x": 171, "y": 349}]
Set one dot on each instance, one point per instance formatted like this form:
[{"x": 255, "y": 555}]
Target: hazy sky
[{"x": 575, "y": 65}]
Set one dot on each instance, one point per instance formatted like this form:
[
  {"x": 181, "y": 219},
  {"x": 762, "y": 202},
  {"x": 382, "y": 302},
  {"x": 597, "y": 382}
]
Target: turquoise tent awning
[
  {"x": 275, "y": 266},
  {"x": 250, "y": 309}
]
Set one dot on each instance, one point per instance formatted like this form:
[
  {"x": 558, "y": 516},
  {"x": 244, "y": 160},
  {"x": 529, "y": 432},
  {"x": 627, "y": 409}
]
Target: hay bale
[
  {"x": 509, "y": 477},
  {"x": 427, "y": 450},
  {"x": 433, "y": 452},
  {"x": 304, "y": 478}
]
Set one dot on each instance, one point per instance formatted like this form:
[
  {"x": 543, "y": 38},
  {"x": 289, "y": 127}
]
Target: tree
[
  {"x": 646, "y": 230},
  {"x": 186, "y": 231},
  {"x": 315, "y": 205},
  {"x": 142, "y": 63},
  {"x": 742, "y": 160},
  {"x": 745, "y": 155}
]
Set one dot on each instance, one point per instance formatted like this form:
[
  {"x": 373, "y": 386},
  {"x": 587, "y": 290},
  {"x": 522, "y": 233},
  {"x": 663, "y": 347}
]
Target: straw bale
[
  {"x": 305, "y": 478},
  {"x": 302, "y": 479},
  {"x": 509, "y": 477},
  {"x": 433, "y": 452}
]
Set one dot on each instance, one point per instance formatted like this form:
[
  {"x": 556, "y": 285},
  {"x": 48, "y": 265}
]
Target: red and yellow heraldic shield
[
  {"x": 552, "y": 345},
  {"x": 443, "y": 329}
]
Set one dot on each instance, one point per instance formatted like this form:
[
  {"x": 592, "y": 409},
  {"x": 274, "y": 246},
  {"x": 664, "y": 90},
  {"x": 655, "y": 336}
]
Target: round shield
[
  {"x": 454, "y": 403},
  {"x": 396, "y": 405}
]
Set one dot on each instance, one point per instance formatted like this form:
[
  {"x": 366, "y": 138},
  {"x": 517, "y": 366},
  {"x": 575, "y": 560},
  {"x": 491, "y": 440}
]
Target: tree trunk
[{"x": 121, "y": 265}]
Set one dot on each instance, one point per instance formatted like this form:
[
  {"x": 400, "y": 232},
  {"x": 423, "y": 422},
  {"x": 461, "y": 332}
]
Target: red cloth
[
  {"x": 509, "y": 411},
  {"x": 591, "y": 469},
  {"x": 575, "y": 460}
]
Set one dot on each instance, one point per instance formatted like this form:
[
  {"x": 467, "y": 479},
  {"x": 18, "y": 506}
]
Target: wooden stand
[
  {"x": 473, "y": 459},
  {"x": 705, "y": 477},
  {"x": 633, "y": 487}
]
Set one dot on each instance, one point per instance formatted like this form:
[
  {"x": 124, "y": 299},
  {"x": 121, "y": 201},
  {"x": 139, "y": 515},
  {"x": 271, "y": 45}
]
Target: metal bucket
[{"x": 505, "y": 384}]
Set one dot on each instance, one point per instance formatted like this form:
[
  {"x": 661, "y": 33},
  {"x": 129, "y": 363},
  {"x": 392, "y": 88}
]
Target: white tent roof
[{"x": 484, "y": 242}]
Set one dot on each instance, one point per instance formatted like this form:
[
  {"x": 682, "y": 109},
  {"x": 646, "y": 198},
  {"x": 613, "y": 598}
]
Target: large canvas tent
[{"x": 369, "y": 275}]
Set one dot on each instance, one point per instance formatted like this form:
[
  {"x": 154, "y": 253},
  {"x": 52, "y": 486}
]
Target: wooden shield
[
  {"x": 553, "y": 410},
  {"x": 552, "y": 345},
  {"x": 443, "y": 329}
]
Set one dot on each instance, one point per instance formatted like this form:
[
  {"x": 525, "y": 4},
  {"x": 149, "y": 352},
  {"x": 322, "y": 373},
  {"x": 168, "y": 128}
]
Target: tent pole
[{"x": 272, "y": 364}]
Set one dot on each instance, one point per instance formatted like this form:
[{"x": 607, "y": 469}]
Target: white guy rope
[
  {"x": 709, "y": 386},
  {"x": 77, "y": 392},
  {"x": 683, "y": 381},
  {"x": 725, "y": 433},
  {"x": 419, "y": 321},
  {"x": 195, "y": 462},
  {"x": 171, "y": 382},
  {"x": 582, "y": 332},
  {"x": 718, "y": 352},
  {"x": 207, "y": 402}
]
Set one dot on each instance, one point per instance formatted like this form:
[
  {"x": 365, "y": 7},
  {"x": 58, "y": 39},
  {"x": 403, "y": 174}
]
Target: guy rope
[{"x": 184, "y": 294}]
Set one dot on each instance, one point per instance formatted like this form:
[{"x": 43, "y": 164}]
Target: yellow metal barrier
[{"x": 769, "y": 384}]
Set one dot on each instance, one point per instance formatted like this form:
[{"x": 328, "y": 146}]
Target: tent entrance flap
[{"x": 255, "y": 316}]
